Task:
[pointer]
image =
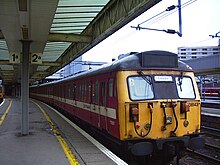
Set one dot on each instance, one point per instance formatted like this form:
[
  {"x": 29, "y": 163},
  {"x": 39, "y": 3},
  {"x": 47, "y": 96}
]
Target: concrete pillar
[{"x": 25, "y": 88}]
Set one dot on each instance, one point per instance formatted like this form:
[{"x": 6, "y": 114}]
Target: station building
[{"x": 74, "y": 67}]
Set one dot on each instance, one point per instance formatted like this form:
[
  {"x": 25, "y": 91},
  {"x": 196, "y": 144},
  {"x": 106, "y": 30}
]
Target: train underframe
[
  {"x": 143, "y": 151},
  {"x": 163, "y": 151}
]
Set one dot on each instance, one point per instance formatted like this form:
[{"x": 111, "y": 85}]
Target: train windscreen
[
  {"x": 146, "y": 87},
  {"x": 140, "y": 88},
  {"x": 184, "y": 87}
]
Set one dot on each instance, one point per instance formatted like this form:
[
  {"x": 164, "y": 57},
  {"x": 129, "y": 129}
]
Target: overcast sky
[{"x": 199, "y": 20}]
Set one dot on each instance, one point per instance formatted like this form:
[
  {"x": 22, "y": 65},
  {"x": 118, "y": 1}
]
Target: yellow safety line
[
  {"x": 62, "y": 142},
  {"x": 5, "y": 114}
]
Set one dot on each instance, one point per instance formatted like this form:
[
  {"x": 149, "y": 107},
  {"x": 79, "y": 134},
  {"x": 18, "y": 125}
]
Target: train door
[
  {"x": 52, "y": 93},
  {"x": 90, "y": 101},
  {"x": 49, "y": 94},
  {"x": 112, "y": 104},
  {"x": 103, "y": 107},
  {"x": 94, "y": 111},
  {"x": 74, "y": 94},
  {"x": 59, "y": 95}
]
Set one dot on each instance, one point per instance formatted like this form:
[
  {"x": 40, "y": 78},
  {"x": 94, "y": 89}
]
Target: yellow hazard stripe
[
  {"x": 62, "y": 142},
  {"x": 5, "y": 114}
]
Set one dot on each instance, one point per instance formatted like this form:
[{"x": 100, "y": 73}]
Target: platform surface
[
  {"x": 210, "y": 111},
  {"x": 212, "y": 101},
  {"x": 41, "y": 146}
]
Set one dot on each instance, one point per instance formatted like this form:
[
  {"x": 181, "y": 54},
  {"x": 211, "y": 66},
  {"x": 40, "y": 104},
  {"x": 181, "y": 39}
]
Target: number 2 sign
[{"x": 36, "y": 58}]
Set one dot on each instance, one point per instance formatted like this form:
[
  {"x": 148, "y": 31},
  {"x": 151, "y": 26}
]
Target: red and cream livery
[{"x": 147, "y": 101}]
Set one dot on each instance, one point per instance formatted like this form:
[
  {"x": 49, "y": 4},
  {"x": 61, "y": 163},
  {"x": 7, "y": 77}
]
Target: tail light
[
  {"x": 184, "y": 107},
  {"x": 134, "y": 113}
]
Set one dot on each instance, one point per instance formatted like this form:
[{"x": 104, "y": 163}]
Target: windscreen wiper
[
  {"x": 180, "y": 80},
  {"x": 147, "y": 79}
]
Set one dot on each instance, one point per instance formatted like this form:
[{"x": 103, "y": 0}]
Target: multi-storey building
[{"x": 185, "y": 53}]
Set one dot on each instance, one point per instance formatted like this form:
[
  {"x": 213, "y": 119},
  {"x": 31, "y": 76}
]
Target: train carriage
[
  {"x": 148, "y": 101},
  {"x": 1, "y": 93}
]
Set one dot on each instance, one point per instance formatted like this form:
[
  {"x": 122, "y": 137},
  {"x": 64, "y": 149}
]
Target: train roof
[{"x": 137, "y": 61}]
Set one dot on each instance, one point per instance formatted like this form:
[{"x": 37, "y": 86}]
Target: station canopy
[{"x": 58, "y": 31}]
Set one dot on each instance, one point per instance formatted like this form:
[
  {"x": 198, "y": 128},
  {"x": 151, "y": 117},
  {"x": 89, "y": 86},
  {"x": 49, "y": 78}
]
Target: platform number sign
[
  {"x": 36, "y": 58},
  {"x": 15, "y": 57}
]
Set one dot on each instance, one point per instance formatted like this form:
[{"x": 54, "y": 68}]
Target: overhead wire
[
  {"x": 166, "y": 13},
  {"x": 197, "y": 42},
  {"x": 161, "y": 16}
]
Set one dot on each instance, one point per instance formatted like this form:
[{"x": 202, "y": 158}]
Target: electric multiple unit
[{"x": 148, "y": 101}]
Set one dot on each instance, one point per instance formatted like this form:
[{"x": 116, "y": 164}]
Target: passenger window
[
  {"x": 80, "y": 92},
  {"x": 95, "y": 92},
  {"x": 110, "y": 87},
  {"x": 89, "y": 92},
  {"x": 77, "y": 92},
  {"x": 69, "y": 91},
  {"x": 74, "y": 91},
  {"x": 103, "y": 92},
  {"x": 85, "y": 91}
]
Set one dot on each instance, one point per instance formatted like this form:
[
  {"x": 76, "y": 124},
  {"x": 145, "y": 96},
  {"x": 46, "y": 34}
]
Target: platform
[
  {"x": 52, "y": 139},
  {"x": 213, "y": 101},
  {"x": 210, "y": 111}
]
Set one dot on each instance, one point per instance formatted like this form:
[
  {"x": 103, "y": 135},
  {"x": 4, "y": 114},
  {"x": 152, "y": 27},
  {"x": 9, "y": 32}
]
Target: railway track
[
  {"x": 208, "y": 131},
  {"x": 206, "y": 156},
  {"x": 210, "y": 121},
  {"x": 210, "y": 154},
  {"x": 211, "y": 146}
]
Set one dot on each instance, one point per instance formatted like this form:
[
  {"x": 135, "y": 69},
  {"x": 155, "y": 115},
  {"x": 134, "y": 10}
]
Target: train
[
  {"x": 1, "y": 93},
  {"x": 209, "y": 88},
  {"x": 148, "y": 102},
  {"x": 211, "y": 91}
]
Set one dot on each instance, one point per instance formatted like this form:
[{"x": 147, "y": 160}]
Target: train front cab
[{"x": 159, "y": 112}]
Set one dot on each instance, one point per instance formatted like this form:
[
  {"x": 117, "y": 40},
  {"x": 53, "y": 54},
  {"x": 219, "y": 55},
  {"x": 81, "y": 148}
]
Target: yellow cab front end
[{"x": 157, "y": 104}]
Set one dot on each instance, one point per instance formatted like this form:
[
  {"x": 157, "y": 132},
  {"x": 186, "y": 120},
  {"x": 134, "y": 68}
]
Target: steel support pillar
[{"x": 25, "y": 88}]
